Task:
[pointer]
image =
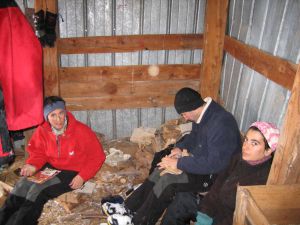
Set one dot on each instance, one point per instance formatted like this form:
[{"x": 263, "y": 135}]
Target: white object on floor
[
  {"x": 143, "y": 135},
  {"x": 115, "y": 156}
]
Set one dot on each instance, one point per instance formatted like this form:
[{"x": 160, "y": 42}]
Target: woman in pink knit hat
[{"x": 249, "y": 167}]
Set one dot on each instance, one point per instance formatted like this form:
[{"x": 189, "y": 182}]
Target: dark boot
[
  {"x": 39, "y": 25},
  {"x": 182, "y": 209},
  {"x": 137, "y": 198},
  {"x": 50, "y": 24}
]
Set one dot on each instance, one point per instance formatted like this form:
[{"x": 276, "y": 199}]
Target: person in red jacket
[{"x": 60, "y": 143}]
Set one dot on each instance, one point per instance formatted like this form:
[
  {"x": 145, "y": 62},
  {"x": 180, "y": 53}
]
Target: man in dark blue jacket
[{"x": 194, "y": 163}]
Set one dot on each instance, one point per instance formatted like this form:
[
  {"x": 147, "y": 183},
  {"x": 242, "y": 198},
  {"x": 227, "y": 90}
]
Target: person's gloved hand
[{"x": 203, "y": 219}]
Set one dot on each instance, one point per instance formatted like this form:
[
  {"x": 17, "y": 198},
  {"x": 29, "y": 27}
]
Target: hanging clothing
[
  {"x": 5, "y": 142},
  {"x": 6, "y": 148},
  {"x": 20, "y": 69}
]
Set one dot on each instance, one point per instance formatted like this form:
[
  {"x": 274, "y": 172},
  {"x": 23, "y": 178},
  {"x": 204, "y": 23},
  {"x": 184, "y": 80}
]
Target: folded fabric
[{"x": 203, "y": 219}]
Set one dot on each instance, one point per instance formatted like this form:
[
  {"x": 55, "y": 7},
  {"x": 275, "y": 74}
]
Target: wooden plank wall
[
  {"x": 111, "y": 87},
  {"x": 115, "y": 87},
  {"x": 87, "y": 88},
  {"x": 131, "y": 89}
]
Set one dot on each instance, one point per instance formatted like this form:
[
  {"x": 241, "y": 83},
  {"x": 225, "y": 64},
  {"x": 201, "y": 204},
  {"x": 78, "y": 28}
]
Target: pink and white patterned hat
[{"x": 270, "y": 132}]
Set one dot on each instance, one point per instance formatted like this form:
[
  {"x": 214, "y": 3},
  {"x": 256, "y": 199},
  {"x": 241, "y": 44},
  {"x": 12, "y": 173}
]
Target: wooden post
[
  {"x": 214, "y": 33},
  {"x": 241, "y": 206},
  {"x": 286, "y": 164},
  {"x": 50, "y": 57}
]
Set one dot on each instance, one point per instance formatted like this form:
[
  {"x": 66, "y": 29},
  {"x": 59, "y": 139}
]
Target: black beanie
[{"x": 187, "y": 100}]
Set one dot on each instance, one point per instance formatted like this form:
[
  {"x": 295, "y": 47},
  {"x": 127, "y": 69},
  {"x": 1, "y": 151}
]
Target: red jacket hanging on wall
[{"x": 20, "y": 69}]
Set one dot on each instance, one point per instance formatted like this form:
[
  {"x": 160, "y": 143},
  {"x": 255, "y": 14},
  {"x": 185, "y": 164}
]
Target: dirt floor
[{"x": 85, "y": 208}]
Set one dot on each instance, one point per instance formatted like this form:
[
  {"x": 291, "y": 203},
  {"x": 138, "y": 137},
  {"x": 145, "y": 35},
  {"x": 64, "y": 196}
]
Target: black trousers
[
  {"x": 183, "y": 209},
  {"x": 150, "y": 200},
  {"x": 25, "y": 204}
]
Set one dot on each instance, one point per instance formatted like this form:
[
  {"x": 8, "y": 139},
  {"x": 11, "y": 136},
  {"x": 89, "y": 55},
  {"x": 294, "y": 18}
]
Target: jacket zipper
[{"x": 58, "y": 145}]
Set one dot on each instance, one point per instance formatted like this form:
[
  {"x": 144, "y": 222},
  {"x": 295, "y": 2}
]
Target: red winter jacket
[
  {"x": 78, "y": 149},
  {"x": 21, "y": 65}
]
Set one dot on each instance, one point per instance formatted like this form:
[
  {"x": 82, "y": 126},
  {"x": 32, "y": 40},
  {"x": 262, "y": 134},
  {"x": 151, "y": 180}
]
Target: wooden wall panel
[
  {"x": 120, "y": 102},
  {"x": 129, "y": 43},
  {"x": 121, "y": 88},
  {"x": 278, "y": 70},
  {"x": 129, "y": 73}
]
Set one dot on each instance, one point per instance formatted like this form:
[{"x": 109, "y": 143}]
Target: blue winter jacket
[{"x": 211, "y": 143}]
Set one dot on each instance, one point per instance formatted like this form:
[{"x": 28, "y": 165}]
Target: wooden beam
[
  {"x": 119, "y": 95},
  {"x": 129, "y": 73},
  {"x": 129, "y": 43},
  {"x": 215, "y": 23},
  {"x": 122, "y": 88},
  {"x": 50, "y": 57},
  {"x": 239, "y": 217},
  {"x": 50, "y": 60},
  {"x": 247, "y": 209},
  {"x": 286, "y": 164},
  {"x": 274, "y": 68},
  {"x": 118, "y": 102},
  {"x": 38, "y": 5}
]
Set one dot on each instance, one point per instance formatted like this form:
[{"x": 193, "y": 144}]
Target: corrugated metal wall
[
  {"x": 126, "y": 17},
  {"x": 270, "y": 25}
]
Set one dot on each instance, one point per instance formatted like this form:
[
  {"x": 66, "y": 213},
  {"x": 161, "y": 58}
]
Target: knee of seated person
[
  {"x": 165, "y": 179},
  {"x": 169, "y": 191},
  {"x": 33, "y": 192}
]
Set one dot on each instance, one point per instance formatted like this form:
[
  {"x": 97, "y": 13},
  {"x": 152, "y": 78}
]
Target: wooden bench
[{"x": 267, "y": 204}]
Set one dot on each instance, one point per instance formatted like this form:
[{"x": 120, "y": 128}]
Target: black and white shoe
[
  {"x": 117, "y": 219},
  {"x": 114, "y": 208}
]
